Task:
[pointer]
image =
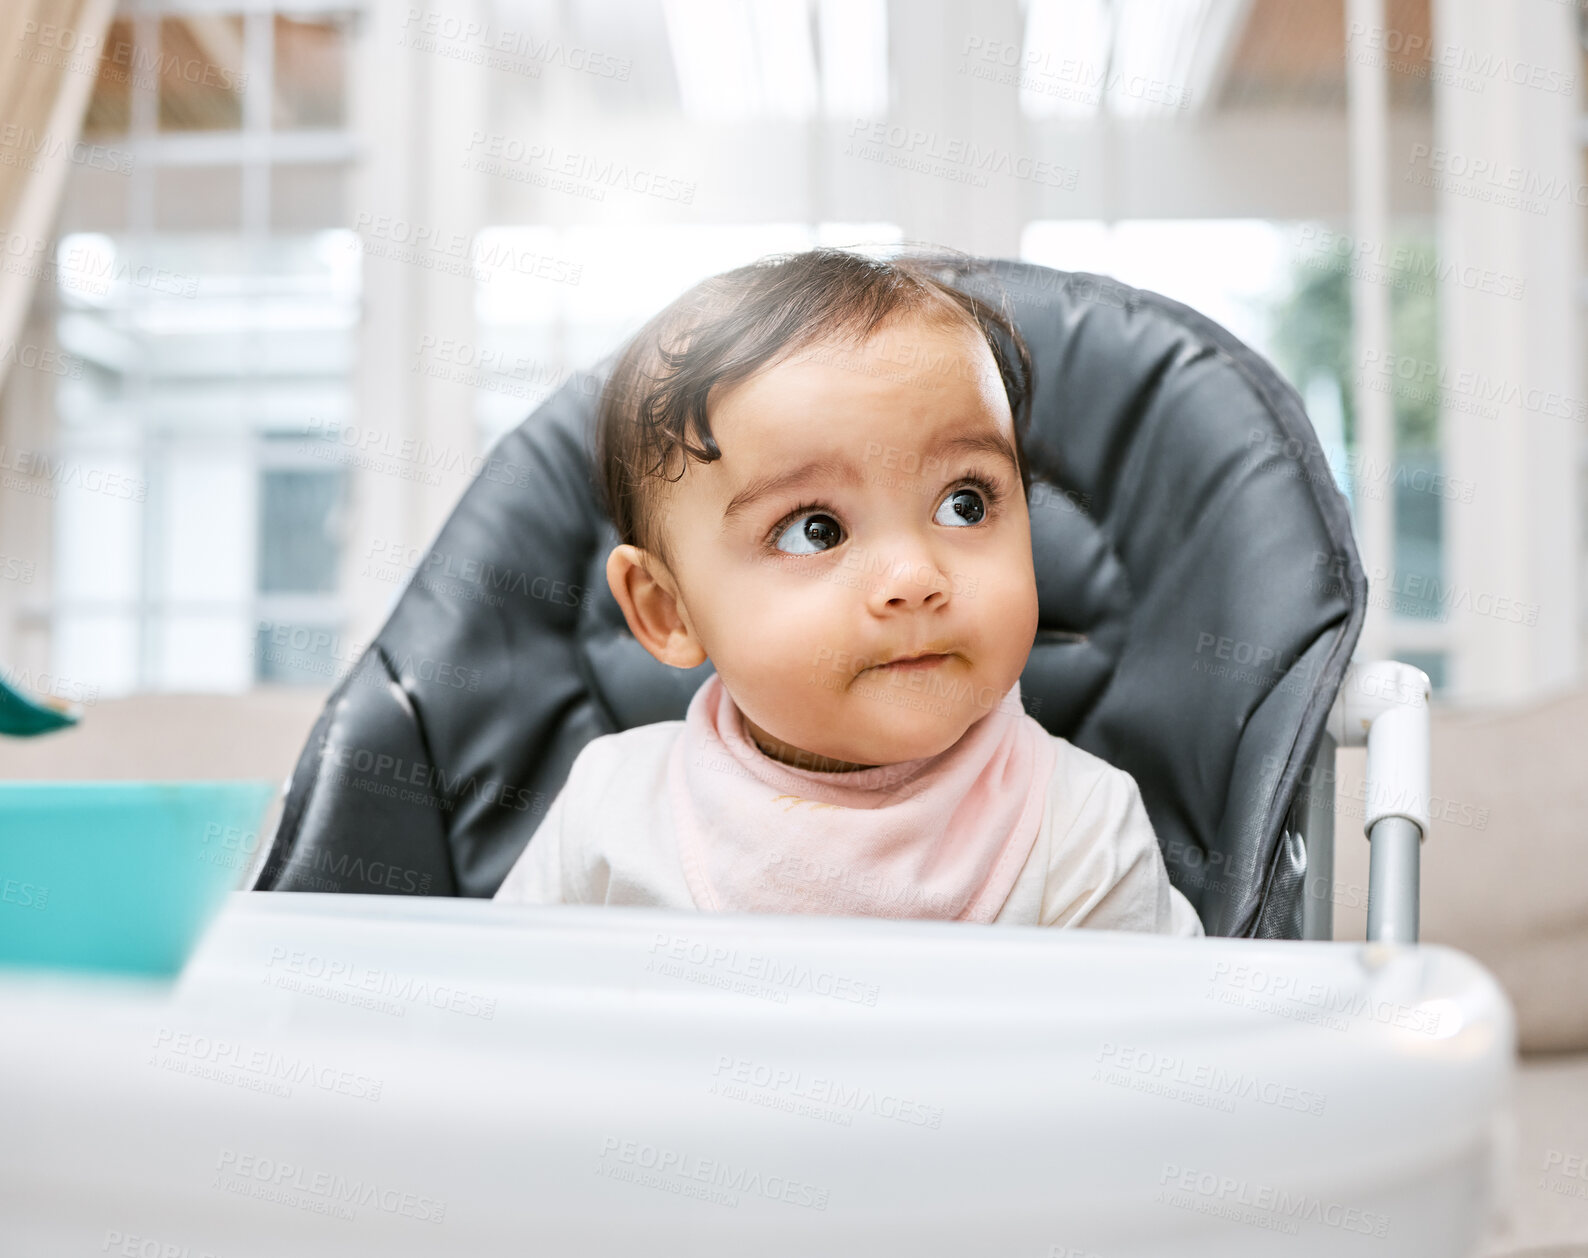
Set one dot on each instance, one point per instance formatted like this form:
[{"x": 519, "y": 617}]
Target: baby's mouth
[{"x": 918, "y": 663}]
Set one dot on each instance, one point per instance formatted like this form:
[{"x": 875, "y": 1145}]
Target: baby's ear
[{"x": 645, "y": 590}]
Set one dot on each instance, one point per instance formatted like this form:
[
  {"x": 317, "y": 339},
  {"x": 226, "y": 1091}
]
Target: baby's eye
[
  {"x": 964, "y": 506},
  {"x": 810, "y": 534}
]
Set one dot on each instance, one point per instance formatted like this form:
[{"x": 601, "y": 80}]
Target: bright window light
[
  {"x": 736, "y": 60},
  {"x": 1227, "y": 269},
  {"x": 1231, "y": 270},
  {"x": 787, "y": 57},
  {"x": 1064, "y": 64},
  {"x": 1155, "y": 47},
  {"x": 854, "y": 43},
  {"x": 86, "y": 268},
  {"x": 1136, "y": 58},
  {"x": 714, "y": 55}
]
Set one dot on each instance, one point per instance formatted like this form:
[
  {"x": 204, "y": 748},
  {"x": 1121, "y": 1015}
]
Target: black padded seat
[{"x": 1200, "y": 595}]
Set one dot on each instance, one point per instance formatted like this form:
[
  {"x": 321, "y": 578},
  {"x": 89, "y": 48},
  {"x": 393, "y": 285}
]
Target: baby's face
[{"x": 863, "y": 509}]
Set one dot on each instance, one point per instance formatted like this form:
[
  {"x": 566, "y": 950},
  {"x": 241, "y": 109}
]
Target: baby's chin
[{"x": 906, "y": 736}]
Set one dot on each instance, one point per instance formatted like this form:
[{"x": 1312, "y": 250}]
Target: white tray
[{"x": 382, "y": 1075}]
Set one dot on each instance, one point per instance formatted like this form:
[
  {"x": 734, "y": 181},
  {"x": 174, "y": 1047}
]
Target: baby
[{"x": 846, "y": 540}]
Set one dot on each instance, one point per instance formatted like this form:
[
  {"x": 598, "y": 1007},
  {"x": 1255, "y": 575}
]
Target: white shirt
[{"x": 608, "y": 839}]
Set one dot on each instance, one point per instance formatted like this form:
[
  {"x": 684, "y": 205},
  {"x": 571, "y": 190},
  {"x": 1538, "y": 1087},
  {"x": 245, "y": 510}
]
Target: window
[{"x": 211, "y": 295}]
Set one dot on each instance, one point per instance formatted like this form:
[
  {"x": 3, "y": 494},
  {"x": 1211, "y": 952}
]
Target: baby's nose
[{"x": 910, "y": 575}]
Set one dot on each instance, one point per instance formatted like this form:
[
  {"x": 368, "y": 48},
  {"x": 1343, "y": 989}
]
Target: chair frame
[{"x": 1383, "y": 706}]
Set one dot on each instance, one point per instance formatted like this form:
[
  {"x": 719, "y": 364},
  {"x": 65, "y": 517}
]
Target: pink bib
[{"x": 943, "y": 837}]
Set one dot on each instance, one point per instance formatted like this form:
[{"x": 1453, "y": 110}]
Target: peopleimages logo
[
  {"x": 679, "y": 954},
  {"x": 289, "y": 1183},
  {"x": 375, "y": 766},
  {"x": 1200, "y": 1082},
  {"x": 339, "y": 973},
  {"x": 53, "y": 472},
  {"x": 1261, "y": 1205},
  {"x": 780, "y": 1082},
  {"x": 503, "y": 48},
  {"x": 1438, "y": 379},
  {"x": 1408, "y": 52},
  {"x": 259, "y": 1069},
  {"x": 680, "y": 1171},
  {"x": 1321, "y": 1003},
  {"x": 967, "y": 160},
  {"x": 1399, "y": 266},
  {"x": 34, "y": 148}
]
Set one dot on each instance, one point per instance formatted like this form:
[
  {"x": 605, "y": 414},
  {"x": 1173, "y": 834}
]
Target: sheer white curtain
[{"x": 49, "y": 63}]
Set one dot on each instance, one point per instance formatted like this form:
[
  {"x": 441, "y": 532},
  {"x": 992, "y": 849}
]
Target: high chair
[
  {"x": 425, "y": 1072},
  {"x": 1200, "y": 597}
]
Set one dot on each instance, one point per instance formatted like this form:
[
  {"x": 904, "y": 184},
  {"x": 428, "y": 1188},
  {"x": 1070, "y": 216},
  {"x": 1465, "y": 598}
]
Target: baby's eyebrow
[
  {"x": 814, "y": 469},
  {"x": 841, "y": 469}
]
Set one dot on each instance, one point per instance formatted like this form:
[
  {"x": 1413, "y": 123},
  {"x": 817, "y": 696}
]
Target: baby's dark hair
[{"x": 727, "y": 327}]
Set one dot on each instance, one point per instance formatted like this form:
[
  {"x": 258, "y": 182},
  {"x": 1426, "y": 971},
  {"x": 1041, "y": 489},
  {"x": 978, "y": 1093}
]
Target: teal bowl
[{"x": 119, "y": 876}]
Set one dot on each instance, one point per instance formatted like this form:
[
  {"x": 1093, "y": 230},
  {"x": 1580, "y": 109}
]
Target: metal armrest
[{"x": 1384, "y": 706}]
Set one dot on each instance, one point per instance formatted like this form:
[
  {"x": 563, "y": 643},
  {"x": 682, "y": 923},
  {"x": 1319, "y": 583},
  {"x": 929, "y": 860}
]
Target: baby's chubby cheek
[
  {"x": 1012, "y": 614},
  {"x": 783, "y": 652}
]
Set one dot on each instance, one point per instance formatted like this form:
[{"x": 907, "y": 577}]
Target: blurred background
[{"x": 275, "y": 277}]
